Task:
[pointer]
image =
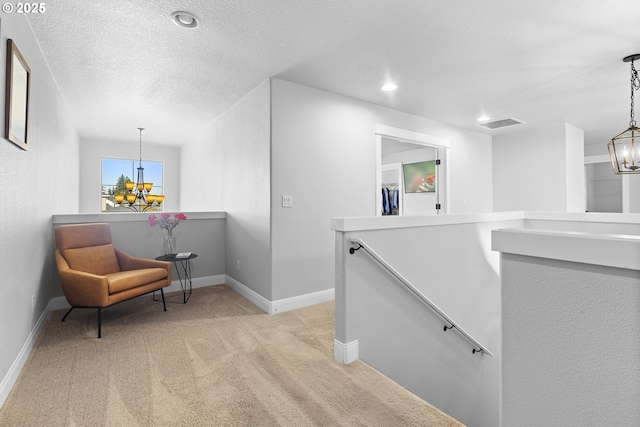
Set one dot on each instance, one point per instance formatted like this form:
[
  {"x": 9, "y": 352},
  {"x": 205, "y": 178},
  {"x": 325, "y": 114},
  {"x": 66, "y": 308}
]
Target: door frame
[{"x": 442, "y": 152}]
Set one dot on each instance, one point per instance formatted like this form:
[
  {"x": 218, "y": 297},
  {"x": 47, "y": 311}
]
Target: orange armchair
[{"x": 94, "y": 274}]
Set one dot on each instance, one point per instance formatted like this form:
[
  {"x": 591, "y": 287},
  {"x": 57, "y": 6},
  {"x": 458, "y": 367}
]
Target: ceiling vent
[{"x": 501, "y": 123}]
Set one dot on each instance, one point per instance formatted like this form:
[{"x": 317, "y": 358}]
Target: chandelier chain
[
  {"x": 623, "y": 148},
  {"x": 141, "y": 129},
  {"x": 137, "y": 195},
  {"x": 635, "y": 84}
]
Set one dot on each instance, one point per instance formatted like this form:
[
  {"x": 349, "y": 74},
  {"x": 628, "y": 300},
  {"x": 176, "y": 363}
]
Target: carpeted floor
[{"x": 216, "y": 361}]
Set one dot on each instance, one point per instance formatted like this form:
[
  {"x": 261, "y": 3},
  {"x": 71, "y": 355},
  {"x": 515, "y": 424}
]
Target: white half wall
[
  {"x": 570, "y": 328},
  {"x": 203, "y": 233},
  {"x": 448, "y": 259}
]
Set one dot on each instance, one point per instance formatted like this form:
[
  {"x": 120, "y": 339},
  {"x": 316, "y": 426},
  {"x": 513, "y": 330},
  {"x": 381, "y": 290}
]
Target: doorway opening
[
  {"x": 605, "y": 191},
  {"x": 411, "y": 173}
]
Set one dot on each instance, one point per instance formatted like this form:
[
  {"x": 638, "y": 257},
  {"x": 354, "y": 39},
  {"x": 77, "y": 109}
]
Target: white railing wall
[
  {"x": 203, "y": 233},
  {"x": 449, "y": 259},
  {"x": 571, "y": 325}
]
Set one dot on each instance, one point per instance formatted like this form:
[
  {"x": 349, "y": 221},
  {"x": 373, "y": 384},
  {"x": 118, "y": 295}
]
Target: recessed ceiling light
[
  {"x": 389, "y": 87},
  {"x": 185, "y": 19},
  {"x": 483, "y": 118}
]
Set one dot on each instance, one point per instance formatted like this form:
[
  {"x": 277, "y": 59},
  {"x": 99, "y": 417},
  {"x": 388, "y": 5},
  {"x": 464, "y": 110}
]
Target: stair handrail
[{"x": 478, "y": 348}]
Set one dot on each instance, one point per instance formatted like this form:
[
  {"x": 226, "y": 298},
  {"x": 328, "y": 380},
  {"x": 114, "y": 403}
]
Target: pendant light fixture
[
  {"x": 138, "y": 197},
  {"x": 623, "y": 148}
]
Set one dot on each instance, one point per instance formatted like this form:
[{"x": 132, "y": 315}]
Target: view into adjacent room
[
  {"x": 410, "y": 178},
  {"x": 604, "y": 188}
]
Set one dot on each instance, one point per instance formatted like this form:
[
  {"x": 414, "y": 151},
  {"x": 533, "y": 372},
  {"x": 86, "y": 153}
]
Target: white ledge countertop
[
  {"x": 128, "y": 217},
  {"x": 394, "y": 221},
  {"x": 611, "y": 250},
  {"x": 601, "y": 217}
]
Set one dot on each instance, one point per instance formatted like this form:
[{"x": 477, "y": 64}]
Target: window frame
[{"x": 146, "y": 164}]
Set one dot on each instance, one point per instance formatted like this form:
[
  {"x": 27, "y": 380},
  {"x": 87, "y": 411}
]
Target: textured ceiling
[{"x": 124, "y": 64}]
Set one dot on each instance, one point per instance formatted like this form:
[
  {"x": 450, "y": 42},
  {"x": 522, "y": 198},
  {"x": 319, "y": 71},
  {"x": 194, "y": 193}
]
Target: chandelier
[
  {"x": 625, "y": 156},
  {"x": 138, "y": 197}
]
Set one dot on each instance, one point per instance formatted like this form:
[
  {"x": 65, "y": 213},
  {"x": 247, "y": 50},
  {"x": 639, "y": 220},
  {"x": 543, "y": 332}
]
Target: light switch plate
[{"x": 287, "y": 201}]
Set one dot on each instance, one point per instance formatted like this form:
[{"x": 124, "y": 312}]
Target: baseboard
[
  {"x": 262, "y": 303},
  {"x": 197, "y": 282},
  {"x": 58, "y": 303},
  {"x": 300, "y": 301},
  {"x": 16, "y": 367},
  {"x": 279, "y": 306},
  {"x": 345, "y": 353}
]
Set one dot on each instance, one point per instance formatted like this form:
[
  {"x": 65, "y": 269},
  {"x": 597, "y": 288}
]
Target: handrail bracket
[{"x": 352, "y": 250}]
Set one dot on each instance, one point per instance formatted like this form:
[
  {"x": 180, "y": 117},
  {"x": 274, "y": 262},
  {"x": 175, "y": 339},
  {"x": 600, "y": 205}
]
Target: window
[{"x": 116, "y": 172}]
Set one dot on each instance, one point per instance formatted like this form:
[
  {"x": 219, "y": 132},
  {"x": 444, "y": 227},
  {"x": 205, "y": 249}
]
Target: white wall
[
  {"x": 631, "y": 189},
  {"x": 323, "y": 154},
  {"x": 574, "y": 174},
  {"x": 228, "y": 168},
  {"x": 34, "y": 185},
  {"x": 570, "y": 344},
  {"x": 539, "y": 170},
  {"x": 92, "y": 152}
]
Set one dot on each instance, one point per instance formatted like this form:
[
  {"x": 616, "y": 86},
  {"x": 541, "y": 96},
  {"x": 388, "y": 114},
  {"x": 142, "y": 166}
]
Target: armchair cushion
[
  {"x": 100, "y": 260},
  {"x": 125, "y": 280}
]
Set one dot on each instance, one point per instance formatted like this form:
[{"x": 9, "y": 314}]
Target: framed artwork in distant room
[
  {"x": 420, "y": 177},
  {"x": 17, "y": 96}
]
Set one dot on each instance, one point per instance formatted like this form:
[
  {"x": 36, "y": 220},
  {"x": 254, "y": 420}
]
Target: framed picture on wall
[
  {"x": 420, "y": 177},
  {"x": 16, "y": 96}
]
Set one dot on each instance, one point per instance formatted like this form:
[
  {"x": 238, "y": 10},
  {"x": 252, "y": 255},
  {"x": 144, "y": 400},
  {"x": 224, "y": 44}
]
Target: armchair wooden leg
[
  {"x": 163, "y": 303},
  {"x": 65, "y": 316},
  {"x": 99, "y": 322}
]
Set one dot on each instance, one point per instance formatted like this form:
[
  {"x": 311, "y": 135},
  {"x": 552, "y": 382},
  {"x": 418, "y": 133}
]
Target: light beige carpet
[{"x": 215, "y": 361}]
